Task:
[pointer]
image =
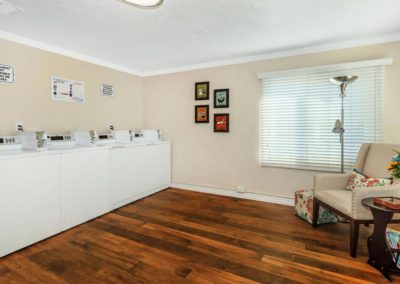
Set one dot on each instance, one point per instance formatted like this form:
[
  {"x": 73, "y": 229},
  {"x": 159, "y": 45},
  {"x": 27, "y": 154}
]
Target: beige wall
[
  {"x": 28, "y": 99},
  {"x": 201, "y": 157}
]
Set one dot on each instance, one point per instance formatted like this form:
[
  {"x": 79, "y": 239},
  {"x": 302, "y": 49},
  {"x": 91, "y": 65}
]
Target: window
[{"x": 299, "y": 109}]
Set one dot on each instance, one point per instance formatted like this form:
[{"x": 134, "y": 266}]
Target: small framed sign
[
  {"x": 6, "y": 74},
  {"x": 107, "y": 90}
]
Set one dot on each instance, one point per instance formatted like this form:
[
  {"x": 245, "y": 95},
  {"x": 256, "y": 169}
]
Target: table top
[{"x": 369, "y": 202}]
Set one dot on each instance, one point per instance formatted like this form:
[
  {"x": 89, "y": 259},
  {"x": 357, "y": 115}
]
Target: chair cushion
[
  {"x": 349, "y": 202},
  {"x": 379, "y": 156},
  {"x": 358, "y": 180},
  {"x": 339, "y": 199}
]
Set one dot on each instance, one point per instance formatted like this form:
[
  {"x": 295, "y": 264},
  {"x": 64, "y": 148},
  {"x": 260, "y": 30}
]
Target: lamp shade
[
  {"x": 338, "y": 127},
  {"x": 343, "y": 80}
]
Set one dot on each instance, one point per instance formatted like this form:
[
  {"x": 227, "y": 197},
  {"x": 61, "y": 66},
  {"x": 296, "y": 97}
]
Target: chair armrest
[
  {"x": 331, "y": 181},
  {"x": 361, "y": 212}
]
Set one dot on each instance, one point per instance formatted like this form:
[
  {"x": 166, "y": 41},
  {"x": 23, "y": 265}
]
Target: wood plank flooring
[{"x": 178, "y": 236}]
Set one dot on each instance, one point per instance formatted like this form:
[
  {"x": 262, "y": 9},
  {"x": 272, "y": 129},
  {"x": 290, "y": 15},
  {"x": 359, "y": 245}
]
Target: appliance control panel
[
  {"x": 60, "y": 138},
  {"x": 9, "y": 140},
  {"x": 105, "y": 136}
]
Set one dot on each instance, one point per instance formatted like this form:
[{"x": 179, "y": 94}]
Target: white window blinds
[{"x": 298, "y": 113}]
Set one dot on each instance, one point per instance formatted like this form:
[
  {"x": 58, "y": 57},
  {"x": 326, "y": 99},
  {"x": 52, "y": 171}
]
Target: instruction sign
[
  {"x": 6, "y": 74},
  {"x": 107, "y": 90},
  {"x": 67, "y": 90}
]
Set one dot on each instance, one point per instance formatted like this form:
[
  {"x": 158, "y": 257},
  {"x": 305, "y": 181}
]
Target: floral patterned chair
[
  {"x": 303, "y": 200},
  {"x": 331, "y": 193},
  {"x": 393, "y": 242}
]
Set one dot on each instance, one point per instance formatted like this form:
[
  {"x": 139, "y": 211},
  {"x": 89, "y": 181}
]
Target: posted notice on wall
[
  {"x": 67, "y": 90},
  {"x": 107, "y": 90},
  {"x": 6, "y": 74}
]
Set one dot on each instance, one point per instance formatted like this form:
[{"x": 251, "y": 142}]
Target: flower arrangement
[{"x": 394, "y": 166}]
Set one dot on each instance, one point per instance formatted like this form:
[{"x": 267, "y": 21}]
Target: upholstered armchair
[{"x": 331, "y": 193}]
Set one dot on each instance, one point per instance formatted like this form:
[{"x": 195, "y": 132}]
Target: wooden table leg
[{"x": 379, "y": 254}]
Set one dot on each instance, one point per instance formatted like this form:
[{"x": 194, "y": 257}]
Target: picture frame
[
  {"x": 202, "y": 91},
  {"x": 202, "y": 114},
  {"x": 221, "y": 98},
  {"x": 221, "y": 122}
]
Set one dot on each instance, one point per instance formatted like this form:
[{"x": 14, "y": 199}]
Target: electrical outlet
[
  {"x": 111, "y": 127},
  {"x": 240, "y": 189},
  {"x": 19, "y": 126}
]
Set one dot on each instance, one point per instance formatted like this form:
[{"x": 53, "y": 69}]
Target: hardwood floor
[{"x": 178, "y": 236}]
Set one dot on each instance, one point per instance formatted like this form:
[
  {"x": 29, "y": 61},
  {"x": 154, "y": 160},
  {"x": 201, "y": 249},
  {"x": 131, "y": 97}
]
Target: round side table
[{"x": 380, "y": 255}]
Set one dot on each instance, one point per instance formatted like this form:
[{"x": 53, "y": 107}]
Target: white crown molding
[
  {"x": 328, "y": 68},
  {"x": 232, "y": 61},
  {"x": 232, "y": 193},
  {"x": 65, "y": 52},
  {"x": 281, "y": 54}
]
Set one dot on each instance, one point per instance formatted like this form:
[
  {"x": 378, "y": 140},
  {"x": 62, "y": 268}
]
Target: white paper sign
[
  {"x": 6, "y": 74},
  {"x": 107, "y": 90},
  {"x": 67, "y": 90}
]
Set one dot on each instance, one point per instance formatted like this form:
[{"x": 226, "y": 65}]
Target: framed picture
[
  {"x": 221, "y": 122},
  {"x": 202, "y": 91},
  {"x": 202, "y": 114},
  {"x": 221, "y": 98}
]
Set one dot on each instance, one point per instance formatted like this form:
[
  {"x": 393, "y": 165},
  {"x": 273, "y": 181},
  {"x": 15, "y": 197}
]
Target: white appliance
[
  {"x": 158, "y": 166},
  {"x": 60, "y": 141},
  {"x": 10, "y": 143},
  {"x": 127, "y": 169},
  {"x": 138, "y": 168},
  {"x": 122, "y": 135},
  {"x": 85, "y": 185},
  {"x": 30, "y": 199},
  {"x": 105, "y": 139},
  {"x": 127, "y": 174},
  {"x": 51, "y": 191},
  {"x": 148, "y": 136},
  {"x": 152, "y": 135},
  {"x": 84, "y": 137},
  {"x": 33, "y": 140}
]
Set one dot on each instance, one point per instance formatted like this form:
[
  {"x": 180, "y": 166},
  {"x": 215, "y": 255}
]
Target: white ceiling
[{"x": 185, "y": 33}]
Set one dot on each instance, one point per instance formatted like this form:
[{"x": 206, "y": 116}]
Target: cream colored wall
[
  {"x": 28, "y": 99},
  {"x": 201, "y": 157}
]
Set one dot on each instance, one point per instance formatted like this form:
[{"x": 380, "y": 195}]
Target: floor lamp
[{"x": 342, "y": 82}]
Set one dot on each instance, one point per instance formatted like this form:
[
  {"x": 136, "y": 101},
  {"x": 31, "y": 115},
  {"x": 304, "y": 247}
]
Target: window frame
[{"x": 310, "y": 71}]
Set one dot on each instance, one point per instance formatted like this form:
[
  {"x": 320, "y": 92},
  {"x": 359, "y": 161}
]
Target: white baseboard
[{"x": 233, "y": 193}]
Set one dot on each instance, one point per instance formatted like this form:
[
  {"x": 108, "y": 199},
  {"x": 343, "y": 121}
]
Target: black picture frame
[
  {"x": 197, "y": 118},
  {"x": 199, "y": 93},
  {"x": 217, "y": 128},
  {"x": 217, "y": 100}
]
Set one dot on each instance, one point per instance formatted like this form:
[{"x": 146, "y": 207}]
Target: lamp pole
[
  {"x": 342, "y": 82},
  {"x": 342, "y": 95}
]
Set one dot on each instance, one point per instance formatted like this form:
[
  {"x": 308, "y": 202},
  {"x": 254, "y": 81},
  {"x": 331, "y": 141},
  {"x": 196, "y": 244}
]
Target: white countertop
[{"x": 55, "y": 150}]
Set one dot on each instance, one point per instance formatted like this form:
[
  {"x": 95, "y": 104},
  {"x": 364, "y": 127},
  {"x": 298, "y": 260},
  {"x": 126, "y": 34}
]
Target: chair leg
[
  {"x": 315, "y": 212},
  {"x": 354, "y": 230}
]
